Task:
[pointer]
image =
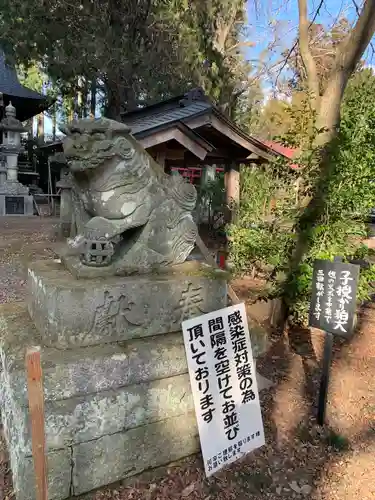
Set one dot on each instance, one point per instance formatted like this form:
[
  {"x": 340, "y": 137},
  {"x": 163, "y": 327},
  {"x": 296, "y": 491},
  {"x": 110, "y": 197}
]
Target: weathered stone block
[
  {"x": 59, "y": 467},
  {"x": 111, "y": 458},
  {"x": 87, "y": 370},
  {"x": 119, "y": 408},
  {"x": 70, "y": 312},
  {"x": 86, "y": 418},
  {"x": 9, "y": 206}
]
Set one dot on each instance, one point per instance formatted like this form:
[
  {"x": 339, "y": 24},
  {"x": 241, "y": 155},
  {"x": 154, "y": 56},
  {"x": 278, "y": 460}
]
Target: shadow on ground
[{"x": 300, "y": 460}]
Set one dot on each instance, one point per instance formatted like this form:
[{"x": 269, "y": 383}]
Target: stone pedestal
[
  {"x": 16, "y": 204},
  {"x": 116, "y": 385},
  {"x": 70, "y": 312},
  {"x": 14, "y": 196}
]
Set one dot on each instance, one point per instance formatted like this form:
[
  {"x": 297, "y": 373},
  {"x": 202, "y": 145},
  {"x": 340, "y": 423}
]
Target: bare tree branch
[
  {"x": 224, "y": 27},
  {"x": 358, "y": 14},
  {"x": 296, "y": 42},
  {"x": 351, "y": 50},
  {"x": 241, "y": 44}
]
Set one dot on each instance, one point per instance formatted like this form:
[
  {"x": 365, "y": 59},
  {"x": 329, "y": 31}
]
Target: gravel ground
[
  {"x": 21, "y": 239},
  {"x": 300, "y": 460}
]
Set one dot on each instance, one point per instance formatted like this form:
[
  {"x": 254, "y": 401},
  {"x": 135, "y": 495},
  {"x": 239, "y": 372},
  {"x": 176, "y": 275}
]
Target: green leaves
[
  {"x": 264, "y": 239},
  {"x": 262, "y": 235},
  {"x": 32, "y": 76},
  {"x": 140, "y": 50}
]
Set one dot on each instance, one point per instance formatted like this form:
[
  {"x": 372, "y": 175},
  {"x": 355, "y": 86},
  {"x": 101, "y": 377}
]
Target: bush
[{"x": 264, "y": 239}]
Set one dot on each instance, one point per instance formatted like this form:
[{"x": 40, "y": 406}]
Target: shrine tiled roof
[
  {"x": 10, "y": 85},
  {"x": 155, "y": 116},
  {"x": 27, "y": 102}
]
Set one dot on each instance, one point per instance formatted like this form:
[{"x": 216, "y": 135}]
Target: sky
[
  {"x": 282, "y": 17},
  {"x": 275, "y": 22}
]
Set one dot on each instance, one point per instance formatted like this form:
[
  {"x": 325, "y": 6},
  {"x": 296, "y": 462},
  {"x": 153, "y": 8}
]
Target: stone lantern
[
  {"x": 14, "y": 196},
  {"x": 3, "y": 172},
  {"x": 11, "y": 145}
]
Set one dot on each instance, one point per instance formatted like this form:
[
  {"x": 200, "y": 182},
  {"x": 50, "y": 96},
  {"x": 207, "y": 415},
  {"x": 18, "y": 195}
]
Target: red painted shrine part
[
  {"x": 221, "y": 258},
  {"x": 285, "y": 151},
  {"x": 193, "y": 174}
]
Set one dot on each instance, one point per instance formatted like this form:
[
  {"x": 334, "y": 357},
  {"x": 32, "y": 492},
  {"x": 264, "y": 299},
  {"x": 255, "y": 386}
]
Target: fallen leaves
[
  {"x": 188, "y": 490},
  {"x": 299, "y": 459}
]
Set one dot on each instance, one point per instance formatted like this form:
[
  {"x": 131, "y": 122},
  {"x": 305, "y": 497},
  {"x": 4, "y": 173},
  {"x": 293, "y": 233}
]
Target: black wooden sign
[{"x": 333, "y": 301}]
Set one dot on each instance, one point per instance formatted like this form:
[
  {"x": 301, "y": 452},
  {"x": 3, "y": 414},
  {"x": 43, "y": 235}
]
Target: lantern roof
[{"x": 10, "y": 121}]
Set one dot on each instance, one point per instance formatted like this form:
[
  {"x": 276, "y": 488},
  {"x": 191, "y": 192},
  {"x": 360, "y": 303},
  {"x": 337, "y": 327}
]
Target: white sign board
[{"x": 224, "y": 386}]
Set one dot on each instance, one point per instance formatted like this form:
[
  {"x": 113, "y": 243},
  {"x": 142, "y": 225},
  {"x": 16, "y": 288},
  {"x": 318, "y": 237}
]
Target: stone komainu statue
[{"x": 128, "y": 215}]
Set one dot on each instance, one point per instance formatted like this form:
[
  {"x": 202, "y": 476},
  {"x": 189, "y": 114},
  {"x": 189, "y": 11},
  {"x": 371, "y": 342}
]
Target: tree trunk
[
  {"x": 348, "y": 55},
  {"x": 75, "y": 105},
  {"x": 327, "y": 107},
  {"x": 40, "y": 127},
  {"x": 328, "y": 117},
  {"x": 79, "y": 109},
  {"x": 121, "y": 96},
  {"x": 54, "y": 122},
  {"x": 70, "y": 106},
  {"x": 29, "y": 128},
  {"x": 306, "y": 55},
  {"x": 93, "y": 99},
  {"x": 85, "y": 94},
  {"x": 131, "y": 102},
  {"x": 114, "y": 101}
]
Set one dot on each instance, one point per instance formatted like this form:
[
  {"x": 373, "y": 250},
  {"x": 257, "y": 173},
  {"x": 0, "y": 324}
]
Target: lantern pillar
[{"x": 14, "y": 196}]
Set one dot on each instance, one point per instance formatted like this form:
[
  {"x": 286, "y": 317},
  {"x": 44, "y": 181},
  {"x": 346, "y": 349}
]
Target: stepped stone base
[
  {"x": 117, "y": 396},
  {"x": 115, "y": 378},
  {"x": 16, "y": 204},
  {"x": 111, "y": 411}
]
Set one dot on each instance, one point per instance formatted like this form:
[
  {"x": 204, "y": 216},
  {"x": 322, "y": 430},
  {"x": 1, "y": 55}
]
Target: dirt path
[
  {"x": 300, "y": 460},
  {"x": 21, "y": 238}
]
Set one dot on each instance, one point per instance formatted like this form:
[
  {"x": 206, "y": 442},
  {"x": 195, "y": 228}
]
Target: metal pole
[{"x": 324, "y": 382}]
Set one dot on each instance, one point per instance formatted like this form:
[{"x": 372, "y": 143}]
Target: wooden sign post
[
  {"x": 36, "y": 408},
  {"x": 332, "y": 309}
]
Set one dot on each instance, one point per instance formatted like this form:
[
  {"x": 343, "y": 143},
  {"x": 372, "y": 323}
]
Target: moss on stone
[{"x": 194, "y": 268}]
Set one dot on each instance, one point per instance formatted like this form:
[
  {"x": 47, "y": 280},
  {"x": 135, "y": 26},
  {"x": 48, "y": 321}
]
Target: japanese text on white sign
[{"x": 224, "y": 386}]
